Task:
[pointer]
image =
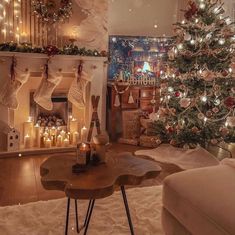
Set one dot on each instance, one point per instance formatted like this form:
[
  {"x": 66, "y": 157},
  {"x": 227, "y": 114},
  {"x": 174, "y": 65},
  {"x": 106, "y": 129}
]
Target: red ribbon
[
  {"x": 80, "y": 68},
  {"x": 46, "y": 70},
  {"x": 12, "y": 69}
]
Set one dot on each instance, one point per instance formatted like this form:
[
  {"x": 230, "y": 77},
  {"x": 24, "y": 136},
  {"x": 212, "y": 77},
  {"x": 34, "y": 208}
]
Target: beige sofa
[{"x": 200, "y": 202}]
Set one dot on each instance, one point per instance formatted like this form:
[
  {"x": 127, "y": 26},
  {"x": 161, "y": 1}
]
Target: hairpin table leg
[
  {"x": 127, "y": 209},
  {"x": 76, "y": 214},
  {"x": 67, "y": 216},
  {"x": 89, "y": 215}
]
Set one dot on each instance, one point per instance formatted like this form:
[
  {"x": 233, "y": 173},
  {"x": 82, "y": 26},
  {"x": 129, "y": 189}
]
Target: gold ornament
[
  {"x": 208, "y": 76},
  {"x": 231, "y": 121},
  {"x": 185, "y": 102},
  {"x": 214, "y": 141}
]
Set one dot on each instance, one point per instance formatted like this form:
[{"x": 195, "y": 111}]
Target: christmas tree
[{"x": 198, "y": 89}]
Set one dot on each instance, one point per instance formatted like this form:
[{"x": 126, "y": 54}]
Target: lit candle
[
  {"x": 75, "y": 138},
  {"x": 83, "y": 154},
  {"x": 69, "y": 137},
  {"x": 48, "y": 143},
  {"x": 73, "y": 125},
  {"x": 27, "y": 142},
  {"x": 62, "y": 133},
  {"x": 53, "y": 131},
  {"x": 37, "y": 135},
  {"x": 66, "y": 142},
  {"x": 84, "y": 134},
  {"x": 59, "y": 141},
  {"x": 46, "y": 135},
  {"x": 28, "y": 127}
]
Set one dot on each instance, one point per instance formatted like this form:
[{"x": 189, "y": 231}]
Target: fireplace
[{"x": 65, "y": 121}]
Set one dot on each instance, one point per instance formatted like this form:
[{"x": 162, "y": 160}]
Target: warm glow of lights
[
  {"x": 146, "y": 67},
  {"x": 30, "y": 119}
]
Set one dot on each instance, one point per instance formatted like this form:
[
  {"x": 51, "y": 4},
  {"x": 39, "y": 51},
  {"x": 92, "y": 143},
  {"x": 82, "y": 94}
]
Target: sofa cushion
[{"x": 203, "y": 200}]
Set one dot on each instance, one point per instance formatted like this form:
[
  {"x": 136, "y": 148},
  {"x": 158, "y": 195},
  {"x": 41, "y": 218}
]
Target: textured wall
[
  {"x": 138, "y": 17},
  {"x": 88, "y": 24}
]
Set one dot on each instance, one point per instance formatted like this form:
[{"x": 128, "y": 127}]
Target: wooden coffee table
[{"x": 97, "y": 182}]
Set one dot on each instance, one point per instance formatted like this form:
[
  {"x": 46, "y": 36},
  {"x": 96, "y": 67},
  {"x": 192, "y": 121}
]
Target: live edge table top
[{"x": 98, "y": 181}]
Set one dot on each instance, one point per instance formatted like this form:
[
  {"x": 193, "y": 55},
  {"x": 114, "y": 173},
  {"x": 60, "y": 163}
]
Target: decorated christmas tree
[{"x": 198, "y": 89}]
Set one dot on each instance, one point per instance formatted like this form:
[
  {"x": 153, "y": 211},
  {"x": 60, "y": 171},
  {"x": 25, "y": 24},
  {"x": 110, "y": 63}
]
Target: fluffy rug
[
  {"x": 185, "y": 159},
  {"x": 109, "y": 218}
]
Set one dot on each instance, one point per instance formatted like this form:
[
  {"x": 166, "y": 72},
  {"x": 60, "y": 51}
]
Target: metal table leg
[
  {"x": 76, "y": 214},
  {"x": 89, "y": 213},
  {"x": 127, "y": 209},
  {"x": 67, "y": 216}
]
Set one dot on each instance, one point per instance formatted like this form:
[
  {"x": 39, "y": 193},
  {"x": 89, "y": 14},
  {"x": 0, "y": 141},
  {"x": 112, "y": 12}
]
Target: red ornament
[
  {"x": 191, "y": 11},
  {"x": 51, "y": 50},
  {"x": 225, "y": 73},
  {"x": 229, "y": 102},
  {"x": 177, "y": 94},
  {"x": 104, "y": 53},
  {"x": 170, "y": 129}
]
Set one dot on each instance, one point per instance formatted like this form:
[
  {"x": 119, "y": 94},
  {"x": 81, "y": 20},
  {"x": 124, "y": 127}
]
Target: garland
[
  {"x": 45, "y": 11},
  {"x": 122, "y": 91},
  {"x": 51, "y": 50}
]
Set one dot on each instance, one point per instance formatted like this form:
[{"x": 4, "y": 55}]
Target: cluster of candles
[{"x": 36, "y": 136}]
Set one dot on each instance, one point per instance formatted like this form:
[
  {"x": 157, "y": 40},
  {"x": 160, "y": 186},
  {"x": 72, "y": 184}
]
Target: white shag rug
[
  {"x": 185, "y": 159},
  {"x": 108, "y": 218}
]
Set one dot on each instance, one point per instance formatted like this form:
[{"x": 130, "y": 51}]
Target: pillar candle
[
  {"x": 66, "y": 142},
  {"x": 53, "y": 140},
  {"x": 62, "y": 133},
  {"x": 53, "y": 131},
  {"x": 46, "y": 135},
  {"x": 28, "y": 127},
  {"x": 27, "y": 142},
  {"x": 75, "y": 138},
  {"x": 84, "y": 133},
  {"x": 59, "y": 141},
  {"x": 48, "y": 143},
  {"x": 37, "y": 135},
  {"x": 73, "y": 125},
  {"x": 70, "y": 137}
]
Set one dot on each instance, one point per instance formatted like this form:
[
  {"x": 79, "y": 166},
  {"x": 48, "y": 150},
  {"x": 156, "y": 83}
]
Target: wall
[
  {"x": 139, "y": 17},
  {"x": 90, "y": 23}
]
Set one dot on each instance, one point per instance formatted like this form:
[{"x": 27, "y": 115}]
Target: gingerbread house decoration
[{"x": 10, "y": 139}]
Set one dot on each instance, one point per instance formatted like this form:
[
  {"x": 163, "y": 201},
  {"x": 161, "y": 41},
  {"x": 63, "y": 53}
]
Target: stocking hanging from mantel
[
  {"x": 77, "y": 90},
  {"x": 50, "y": 79},
  {"x": 19, "y": 75}
]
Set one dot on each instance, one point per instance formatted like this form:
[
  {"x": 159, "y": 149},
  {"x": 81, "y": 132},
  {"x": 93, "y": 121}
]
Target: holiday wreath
[{"x": 47, "y": 13}]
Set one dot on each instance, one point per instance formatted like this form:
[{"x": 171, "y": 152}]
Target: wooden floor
[{"x": 20, "y": 177}]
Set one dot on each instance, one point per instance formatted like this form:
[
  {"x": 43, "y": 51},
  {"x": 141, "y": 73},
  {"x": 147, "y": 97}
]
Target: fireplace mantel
[
  {"x": 44, "y": 56},
  {"x": 66, "y": 63}
]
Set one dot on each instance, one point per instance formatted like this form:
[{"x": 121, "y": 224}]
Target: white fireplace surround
[{"x": 94, "y": 66}]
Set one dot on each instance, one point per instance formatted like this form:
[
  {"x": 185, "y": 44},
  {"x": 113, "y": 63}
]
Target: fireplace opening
[{"x": 57, "y": 117}]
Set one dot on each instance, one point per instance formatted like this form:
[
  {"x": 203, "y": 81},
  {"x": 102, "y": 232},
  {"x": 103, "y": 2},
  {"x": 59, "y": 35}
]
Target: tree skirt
[
  {"x": 185, "y": 159},
  {"x": 109, "y": 216}
]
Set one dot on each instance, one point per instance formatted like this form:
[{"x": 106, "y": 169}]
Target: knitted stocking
[
  {"x": 50, "y": 80},
  {"x": 77, "y": 89},
  {"x": 18, "y": 77}
]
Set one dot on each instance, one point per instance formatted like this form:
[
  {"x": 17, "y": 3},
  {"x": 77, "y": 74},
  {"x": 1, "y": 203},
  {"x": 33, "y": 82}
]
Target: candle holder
[{"x": 83, "y": 158}]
